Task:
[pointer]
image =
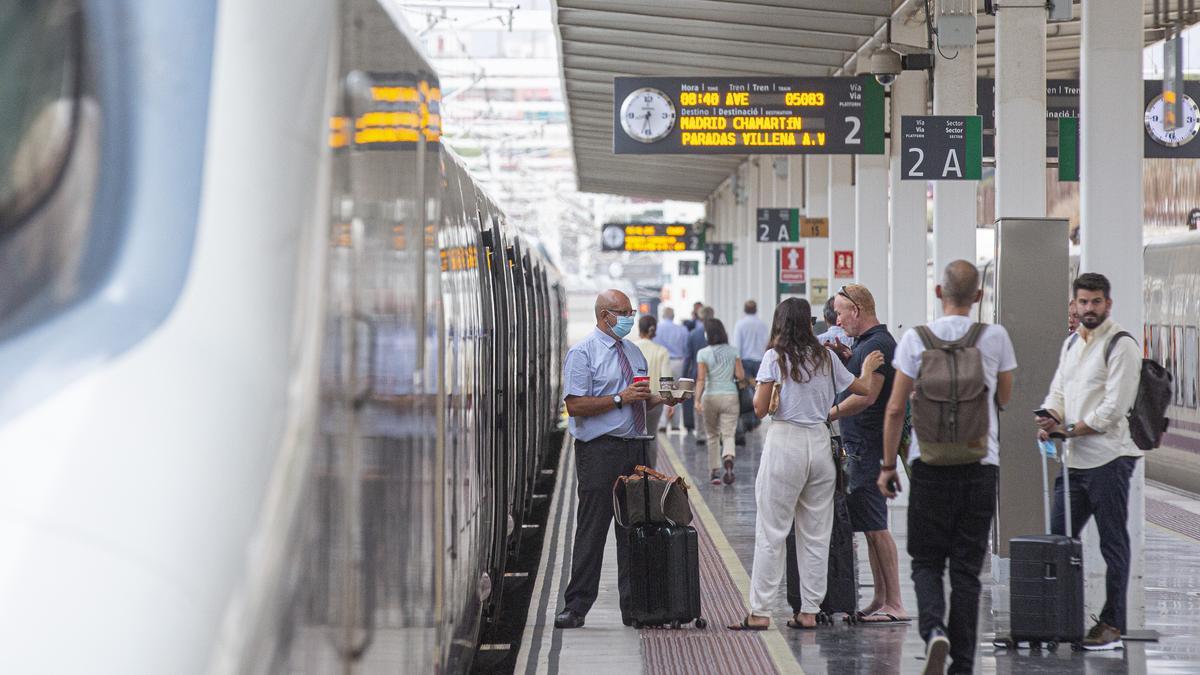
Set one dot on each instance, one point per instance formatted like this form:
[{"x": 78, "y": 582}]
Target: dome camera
[{"x": 885, "y": 66}]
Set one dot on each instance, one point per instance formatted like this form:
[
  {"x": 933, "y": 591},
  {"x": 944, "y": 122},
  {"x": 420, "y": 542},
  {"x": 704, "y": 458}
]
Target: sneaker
[
  {"x": 1102, "y": 636},
  {"x": 716, "y": 477},
  {"x": 936, "y": 649},
  {"x": 728, "y": 477}
]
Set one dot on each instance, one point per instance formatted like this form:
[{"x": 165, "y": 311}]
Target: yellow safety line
[{"x": 777, "y": 647}]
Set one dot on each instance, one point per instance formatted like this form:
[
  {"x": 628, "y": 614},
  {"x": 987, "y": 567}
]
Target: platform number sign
[
  {"x": 689, "y": 268},
  {"x": 941, "y": 147},
  {"x": 787, "y": 225},
  {"x": 718, "y": 253}
]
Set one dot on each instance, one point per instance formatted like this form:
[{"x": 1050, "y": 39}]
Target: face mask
[
  {"x": 624, "y": 325},
  {"x": 1048, "y": 449}
]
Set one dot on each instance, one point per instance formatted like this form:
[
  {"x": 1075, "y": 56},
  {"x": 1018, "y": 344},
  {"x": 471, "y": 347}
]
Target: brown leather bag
[{"x": 648, "y": 496}]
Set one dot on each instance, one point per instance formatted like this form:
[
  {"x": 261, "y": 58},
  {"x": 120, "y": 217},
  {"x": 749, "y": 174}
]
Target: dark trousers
[
  {"x": 1103, "y": 492},
  {"x": 598, "y": 463},
  {"x": 793, "y": 573},
  {"x": 950, "y": 511}
]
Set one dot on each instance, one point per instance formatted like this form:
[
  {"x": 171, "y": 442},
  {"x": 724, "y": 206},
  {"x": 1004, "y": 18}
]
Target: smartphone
[{"x": 1042, "y": 412}]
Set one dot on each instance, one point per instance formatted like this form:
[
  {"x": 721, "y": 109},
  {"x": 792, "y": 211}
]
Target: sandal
[
  {"x": 728, "y": 477},
  {"x": 889, "y": 618},
  {"x": 746, "y": 625},
  {"x": 794, "y": 623},
  {"x": 716, "y": 477}
]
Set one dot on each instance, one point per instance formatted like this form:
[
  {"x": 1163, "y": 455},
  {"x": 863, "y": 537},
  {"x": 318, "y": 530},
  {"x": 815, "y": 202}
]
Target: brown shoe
[{"x": 1102, "y": 636}]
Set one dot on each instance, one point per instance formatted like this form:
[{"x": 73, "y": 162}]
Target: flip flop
[
  {"x": 794, "y": 624},
  {"x": 746, "y": 625},
  {"x": 891, "y": 618}
]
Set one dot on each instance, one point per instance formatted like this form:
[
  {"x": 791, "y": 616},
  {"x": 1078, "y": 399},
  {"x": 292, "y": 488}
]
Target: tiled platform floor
[{"x": 1172, "y": 595}]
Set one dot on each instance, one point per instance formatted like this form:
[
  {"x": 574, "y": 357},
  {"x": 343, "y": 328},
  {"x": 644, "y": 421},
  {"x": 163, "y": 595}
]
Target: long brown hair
[{"x": 792, "y": 338}]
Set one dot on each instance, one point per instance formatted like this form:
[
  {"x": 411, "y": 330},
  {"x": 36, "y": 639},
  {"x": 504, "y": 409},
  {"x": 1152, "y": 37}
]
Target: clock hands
[{"x": 646, "y": 125}]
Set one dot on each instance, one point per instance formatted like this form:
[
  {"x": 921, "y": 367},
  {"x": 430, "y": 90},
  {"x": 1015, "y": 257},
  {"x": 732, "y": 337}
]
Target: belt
[{"x": 619, "y": 439}]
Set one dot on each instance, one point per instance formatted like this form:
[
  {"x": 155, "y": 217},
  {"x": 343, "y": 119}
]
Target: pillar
[
  {"x": 1020, "y": 112},
  {"x": 1111, "y": 222},
  {"x": 954, "y": 207},
  {"x": 871, "y": 229},
  {"x": 841, "y": 215},
  {"x": 816, "y": 198},
  {"x": 907, "y": 218}
]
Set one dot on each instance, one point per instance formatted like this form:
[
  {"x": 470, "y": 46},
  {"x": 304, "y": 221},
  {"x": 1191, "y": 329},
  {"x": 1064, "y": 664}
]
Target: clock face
[
  {"x": 1186, "y": 129},
  {"x": 614, "y": 237},
  {"x": 647, "y": 115}
]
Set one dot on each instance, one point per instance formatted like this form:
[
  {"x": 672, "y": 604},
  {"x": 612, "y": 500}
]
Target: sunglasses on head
[{"x": 842, "y": 292}]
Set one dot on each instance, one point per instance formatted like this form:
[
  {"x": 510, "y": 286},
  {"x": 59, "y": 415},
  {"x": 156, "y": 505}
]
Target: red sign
[
  {"x": 843, "y": 264},
  {"x": 791, "y": 265}
]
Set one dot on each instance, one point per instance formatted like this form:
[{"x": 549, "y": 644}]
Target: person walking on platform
[
  {"x": 951, "y": 506},
  {"x": 674, "y": 337},
  {"x": 696, "y": 319},
  {"x": 607, "y": 409},
  {"x": 1094, "y": 386},
  {"x": 695, "y": 342},
  {"x": 862, "y": 431},
  {"x": 750, "y": 337},
  {"x": 834, "y": 335},
  {"x": 658, "y": 366},
  {"x": 718, "y": 372},
  {"x": 796, "y": 473}
]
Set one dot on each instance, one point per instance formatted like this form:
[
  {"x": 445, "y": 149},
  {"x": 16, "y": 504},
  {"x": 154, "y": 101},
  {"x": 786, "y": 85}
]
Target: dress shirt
[
  {"x": 1086, "y": 389},
  {"x": 838, "y": 333},
  {"x": 593, "y": 369},
  {"x": 673, "y": 336},
  {"x": 750, "y": 336}
]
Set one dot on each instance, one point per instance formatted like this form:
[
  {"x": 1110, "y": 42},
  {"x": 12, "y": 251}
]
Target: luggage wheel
[
  {"x": 701, "y": 623},
  {"x": 850, "y": 618},
  {"x": 675, "y": 625},
  {"x": 637, "y": 624},
  {"x": 1003, "y": 643},
  {"x": 1052, "y": 645}
]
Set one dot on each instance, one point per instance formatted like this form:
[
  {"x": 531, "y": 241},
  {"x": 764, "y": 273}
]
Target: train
[
  {"x": 279, "y": 377},
  {"x": 1169, "y": 335}
]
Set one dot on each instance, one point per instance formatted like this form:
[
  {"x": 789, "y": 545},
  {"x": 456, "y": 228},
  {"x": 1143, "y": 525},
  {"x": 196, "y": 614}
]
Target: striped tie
[{"x": 638, "y": 408}]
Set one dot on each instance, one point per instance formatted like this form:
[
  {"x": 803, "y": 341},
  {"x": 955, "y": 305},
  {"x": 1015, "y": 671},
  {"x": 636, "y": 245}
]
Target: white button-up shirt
[{"x": 1085, "y": 388}]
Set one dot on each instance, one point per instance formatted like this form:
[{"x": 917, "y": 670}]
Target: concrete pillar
[
  {"x": 908, "y": 222},
  {"x": 1020, "y": 112},
  {"x": 783, "y": 169},
  {"x": 954, "y": 201},
  {"x": 841, "y": 214},
  {"x": 1111, "y": 216},
  {"x": 816, "y": 198},
  {"x": 871, "y": 229}
]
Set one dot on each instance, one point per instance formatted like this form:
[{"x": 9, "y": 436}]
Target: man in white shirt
[
  {"x": 674, "y": 337},
  {"x": 1092, "y": 391},
  {"x": 750, "y": 337},
  {"x": 658, "y": 366},
  {"x": 950, "y": 509}
]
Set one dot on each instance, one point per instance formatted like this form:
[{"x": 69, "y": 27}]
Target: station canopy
[{"x": 603, "y": 39}]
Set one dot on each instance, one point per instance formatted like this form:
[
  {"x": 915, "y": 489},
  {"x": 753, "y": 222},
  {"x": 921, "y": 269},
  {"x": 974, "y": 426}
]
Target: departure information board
[
  {"x": 748, "y": 115},
  {"x": 651, "y": 237}
]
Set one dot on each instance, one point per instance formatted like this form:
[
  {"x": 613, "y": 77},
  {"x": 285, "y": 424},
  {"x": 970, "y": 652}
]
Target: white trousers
[{"x": 796, "y": 479}]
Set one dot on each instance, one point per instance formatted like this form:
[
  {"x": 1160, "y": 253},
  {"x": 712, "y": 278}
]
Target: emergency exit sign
[{"x": 941, "y": 147}]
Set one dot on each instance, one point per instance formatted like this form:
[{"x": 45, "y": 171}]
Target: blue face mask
[
  {"x": 624, "y": 325},
  {"x": 1048, "y": 449}
]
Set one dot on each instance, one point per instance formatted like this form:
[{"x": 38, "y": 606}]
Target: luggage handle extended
[{"x": 1062, "y": 458}]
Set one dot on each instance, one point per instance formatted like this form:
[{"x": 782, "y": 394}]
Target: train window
[{"x": 39, "y": 82}]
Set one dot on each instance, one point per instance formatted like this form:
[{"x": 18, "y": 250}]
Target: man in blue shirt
[
  {"x": 608, "y": 421},
  {"x": 834, "y": 334},
  {"x": 862, "y": 431},
  {"x": 695, "y": 342},
  {"x": 750, "y": 336},
  {"x": 674, "y": 337}
]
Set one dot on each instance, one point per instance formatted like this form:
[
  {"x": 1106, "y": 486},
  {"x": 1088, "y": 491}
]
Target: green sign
[
  {"x": 941, "y": 147},
  {"x": 1068, "y": 149},
  {"x": 718, "y": 253}
]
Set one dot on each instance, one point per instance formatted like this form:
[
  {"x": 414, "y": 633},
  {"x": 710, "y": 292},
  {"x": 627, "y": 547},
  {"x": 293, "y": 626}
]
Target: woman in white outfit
[{"x": 796, "y": 473}]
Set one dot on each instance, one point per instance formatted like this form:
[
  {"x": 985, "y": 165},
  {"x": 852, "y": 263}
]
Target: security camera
[{"x": 885, "y": 66}]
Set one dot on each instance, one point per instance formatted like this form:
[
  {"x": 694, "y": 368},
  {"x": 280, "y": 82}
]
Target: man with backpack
[
  {"x": 957, "y": 374},
  {"x": 1093, "y": 389}
]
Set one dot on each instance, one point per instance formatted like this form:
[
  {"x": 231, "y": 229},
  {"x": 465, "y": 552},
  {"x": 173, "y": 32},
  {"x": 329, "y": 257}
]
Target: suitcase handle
[{"x": 1059, "y": 439}]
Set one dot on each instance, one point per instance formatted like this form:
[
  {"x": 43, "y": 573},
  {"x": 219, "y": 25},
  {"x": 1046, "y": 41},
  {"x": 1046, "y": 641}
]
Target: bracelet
[{"x": 887, "y": 467}]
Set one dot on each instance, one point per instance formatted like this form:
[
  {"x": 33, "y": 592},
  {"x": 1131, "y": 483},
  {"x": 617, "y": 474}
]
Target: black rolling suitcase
[
  {"x": 664, "y": 575},
  {"x": 1046, "y": 575},
  {"x": 841, "y": 586}
]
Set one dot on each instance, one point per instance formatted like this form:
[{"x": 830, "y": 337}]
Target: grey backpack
[{"x": 950, "y": 400}]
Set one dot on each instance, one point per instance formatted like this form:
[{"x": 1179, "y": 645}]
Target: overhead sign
[
  {"x": 791, "y": 265},
  {"x": 718, "y": 253},
  {"x": 784, "y": 225},
  {"x": 1062, "y": 100},
  {"x": 843, "y": 264},
  {"x": 941, "y": 147},
  {"x": 689, "y": 268},
  {"x": 748, "y": 115},
  {"x": 651, "y": 237}
]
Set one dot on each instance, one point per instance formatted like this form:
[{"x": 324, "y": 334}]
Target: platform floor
[{"x": 725, "y": 520}]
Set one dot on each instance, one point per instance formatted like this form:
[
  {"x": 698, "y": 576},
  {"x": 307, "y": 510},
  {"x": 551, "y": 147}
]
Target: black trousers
[
  {"x": 950, "y": 511},
  {"x": 598, "y": 463},
  {"x": 1103, "y": 492}
]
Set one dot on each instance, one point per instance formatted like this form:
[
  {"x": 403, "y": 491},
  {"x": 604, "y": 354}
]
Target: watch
[
  {"x": 617, "y": 400},
  {"x": 1070, "y": 429}
]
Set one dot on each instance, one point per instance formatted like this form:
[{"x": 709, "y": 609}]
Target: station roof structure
[{"x": 603, "y": 39}]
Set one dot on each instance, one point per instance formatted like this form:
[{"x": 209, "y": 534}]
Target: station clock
[
  {"x": 1181, "y": 134},
  {"x": 647, "y": 115}
]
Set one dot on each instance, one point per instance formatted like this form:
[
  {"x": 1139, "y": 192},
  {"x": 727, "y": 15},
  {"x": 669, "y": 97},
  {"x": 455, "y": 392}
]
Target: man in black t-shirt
[{"x": 862, "y": 431}]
